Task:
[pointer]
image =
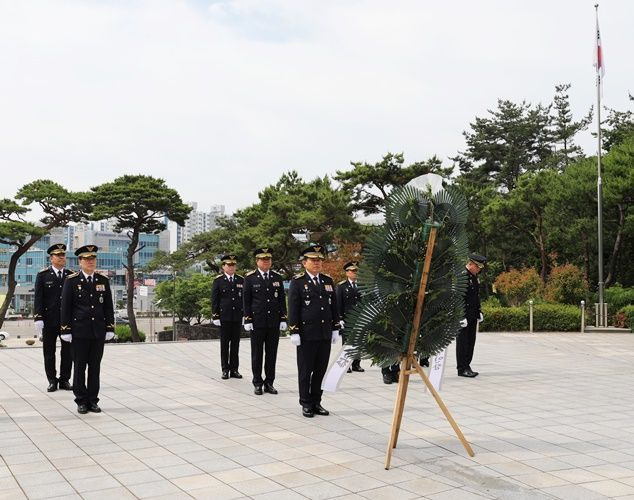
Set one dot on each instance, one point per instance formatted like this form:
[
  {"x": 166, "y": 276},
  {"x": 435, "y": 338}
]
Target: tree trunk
[
  {"x": 134, "y": 331},
  {"x": 11, "y": 281},
  {"x": 617, "y": 245}
]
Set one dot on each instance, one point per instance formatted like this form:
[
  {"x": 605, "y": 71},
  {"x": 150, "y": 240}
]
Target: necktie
[
  {"x": 316, "y": 280},
  {"x": 59, "y": 274},
  {"x": 89, "y": 280},
  {"x": 231, "y": 279},
  {"x": 354, "y": 284},
  {"x": 266, "y": 276}
]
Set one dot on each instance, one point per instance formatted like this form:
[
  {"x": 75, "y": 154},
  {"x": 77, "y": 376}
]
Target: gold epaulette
[
  {"x": 342, "y": 282},
  {"x": 239, "y": 275},
  {"x": 102, "y": 275},
  {"x": 43, "y": 270},
  {"x": 75, "y": 274},
  {"x": 299, "y": 275},
  {"x": 326, "y": 275},
  {"x": 250, "y": 273},
  {"x": 219, "y": 276}
]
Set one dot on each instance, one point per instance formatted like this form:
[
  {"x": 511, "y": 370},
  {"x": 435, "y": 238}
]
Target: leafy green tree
[
  {"x": 59, "y": 207},
  {"x": 522, "y": 210},
  {"x": 565, "y": 128},
  {"x": 512, "y": 140},
  {"x": 186, "y": 297},
  {"x": 139, "y": 204},
  {"x": 370, "y": 184},
  {"x": 616, "y": 127}
]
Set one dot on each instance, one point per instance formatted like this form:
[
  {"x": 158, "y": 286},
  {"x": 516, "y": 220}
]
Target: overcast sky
[{"x": 220, "y": 98}]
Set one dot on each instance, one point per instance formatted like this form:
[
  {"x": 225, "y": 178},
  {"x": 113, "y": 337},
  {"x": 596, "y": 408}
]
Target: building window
[{"x": 29, "y": 261}]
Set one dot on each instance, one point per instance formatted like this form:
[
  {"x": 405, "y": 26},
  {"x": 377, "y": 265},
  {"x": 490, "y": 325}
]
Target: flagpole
[{"x": 602, "y": 319}]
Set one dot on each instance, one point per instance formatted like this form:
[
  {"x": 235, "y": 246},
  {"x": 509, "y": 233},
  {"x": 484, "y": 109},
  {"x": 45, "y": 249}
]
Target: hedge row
[
  {"x": 546, "y": 318},
  {"x": 124, "y": 334},
  {"x": 625, "y": 317}
]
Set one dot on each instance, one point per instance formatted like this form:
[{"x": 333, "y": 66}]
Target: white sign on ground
[
  {"x": 143, "y": 291},
  {"x": 337, "y": 370}
]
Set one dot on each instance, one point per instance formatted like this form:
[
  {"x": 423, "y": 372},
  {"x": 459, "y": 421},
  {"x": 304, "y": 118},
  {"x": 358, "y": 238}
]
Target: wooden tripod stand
[{"x": 409, "y": 365}]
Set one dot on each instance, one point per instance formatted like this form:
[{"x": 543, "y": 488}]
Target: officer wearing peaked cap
[
  {"x": 46, "y": 314},
  {"x": 226, "y": 312},
  {"x": 348, "y": 296},
  {"x": 465, "y": 341},
  {"x": 264, "y": 317},
  {"x": 313, "y": 322},
  {"x": 87, "y": 322}
]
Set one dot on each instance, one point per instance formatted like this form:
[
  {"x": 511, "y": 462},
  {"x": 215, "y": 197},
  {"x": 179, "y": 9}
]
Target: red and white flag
[{"x": 599, "y": 62}]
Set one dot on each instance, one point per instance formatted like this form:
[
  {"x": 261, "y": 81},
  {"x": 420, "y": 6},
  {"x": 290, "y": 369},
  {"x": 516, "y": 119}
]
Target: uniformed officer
[
  {"x": 313, "y": 322},
  {"x": 226, "y": 312},
  {"x": 264, "y": 317},
  {"x": 87, "y": 321},
  {"x": 465, "y": 341},
  {"x": 348, "y": 296},
  {"x": 46, "y": 308}
]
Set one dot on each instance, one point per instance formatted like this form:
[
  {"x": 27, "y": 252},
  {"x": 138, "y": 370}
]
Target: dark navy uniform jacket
[
  {"x": 87, "y": 310},
  {"x": 347, "y": 297},
  {"x": 47, "y": 301},
  {"x": 264, "y": 300},
  {"x": 312, "y": 309},
  {"x": 472, "y": 297},
  {"x": 226, "y": 298}
]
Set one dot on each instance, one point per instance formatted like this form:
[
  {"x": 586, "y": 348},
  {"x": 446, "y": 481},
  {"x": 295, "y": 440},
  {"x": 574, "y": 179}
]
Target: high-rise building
[{"x": 197, "y": 222}]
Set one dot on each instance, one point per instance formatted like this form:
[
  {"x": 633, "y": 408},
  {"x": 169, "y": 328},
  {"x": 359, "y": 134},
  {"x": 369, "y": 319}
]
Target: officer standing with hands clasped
[
  {"x": 465, "y": 341},
  {"x": 87, "y": 322},
  {"x": 313, "y": 322},
  {"x": 348, "y": 296},
  {"x": 264, "y": 317},
  {"x": 46, "y": 313},
  {"x": 226, "y": 312}
]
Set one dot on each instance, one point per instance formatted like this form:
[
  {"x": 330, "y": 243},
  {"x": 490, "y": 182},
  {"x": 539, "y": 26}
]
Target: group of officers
[{"x": 78, "y": 308}]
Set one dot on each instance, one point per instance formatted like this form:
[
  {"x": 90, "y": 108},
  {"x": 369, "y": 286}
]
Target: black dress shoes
[
  {"x": 387, "y": 378},
  {"x": 270, "y": 389},
  {"x": 258, "y": 390},
  {"x": 93, "y": 407},
  {"x": 235, "y": 374},
  {"x": 307, "y": 412},
  {"x": 320, "y": 410},
  {"x": 52, "y": 386},
  {"x": 349, "y": 370},
  {"x": 395, "y": 377},
  {"x": 225, "y": 375},
  {"x": 82, "y": 408},
  {"x": 357, "y": 368},
  {"x": 467, "y": 373},
  {"x": 65, "y": 385}
]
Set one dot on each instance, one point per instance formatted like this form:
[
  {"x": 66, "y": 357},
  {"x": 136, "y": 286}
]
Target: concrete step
[{"x": 607, "y": 329}]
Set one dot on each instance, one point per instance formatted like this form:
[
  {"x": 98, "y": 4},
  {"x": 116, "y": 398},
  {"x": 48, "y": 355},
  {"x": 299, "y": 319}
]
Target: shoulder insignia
[
  {"x": 239, "y": 275},
  {"x": 342, "y": 282},
  {"x": 43, "y": 270},
  {"x": 299, "y": 275},
  {"x": 250, "y": 273},
  {"x": 326, "y": 275},
  {"x": 219, "y": 276},
  {"x": 103, "y": 275},
  {"x": 74, "y": 275}
]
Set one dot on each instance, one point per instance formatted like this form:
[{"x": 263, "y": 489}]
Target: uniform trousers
[
  {"x": 229, "y": 345},
  {"x": 87, "y": 353},
  {"x": 49, "y": 344},
  {"x": 465, "y": 343},
  {"x": 312, "y": 363},
  {"x": 356, "y": 362},
  {"x": 264, "y": 342}
]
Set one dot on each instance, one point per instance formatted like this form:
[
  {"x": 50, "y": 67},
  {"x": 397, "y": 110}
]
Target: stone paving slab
[{"x": 550, "y": 416}]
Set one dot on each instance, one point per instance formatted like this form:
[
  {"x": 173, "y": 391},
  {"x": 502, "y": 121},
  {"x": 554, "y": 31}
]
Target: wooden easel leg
[
  {"x": 397, "y": 416},
  {"x": 444, "y": 409}
]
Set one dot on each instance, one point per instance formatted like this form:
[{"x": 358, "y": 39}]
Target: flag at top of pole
[{"x": 599, "y": 62}]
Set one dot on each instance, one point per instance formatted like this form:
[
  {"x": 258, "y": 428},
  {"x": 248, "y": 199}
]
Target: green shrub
[
  {"x": 625, "y": 317},
  {"x": 518, "y": 286},
  {"x": 566, "y": 285},
  {"x": 491, "y": 301},
  {"x": 124, "y": 334},
  {"x": 618, "y": 297},
  {"x": 546, "y": 318}
]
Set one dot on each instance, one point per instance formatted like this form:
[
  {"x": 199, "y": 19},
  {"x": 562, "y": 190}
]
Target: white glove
[
  {"x": 295, "y": 339},
  {"x": 216, "y": 322},
  {"x": 481, "y": 318},
  {"x": 248, "y": 327},
  {"x": 463, "y": 323},
  {"x": 283, "y": 326},
  {"x": 341, "y": 324},
  {"x": 335, "y": 336},
  {"x": 109, "y": 336},
  {"x": 39, "y": 325},
  {"x": 66, "y": 337}
]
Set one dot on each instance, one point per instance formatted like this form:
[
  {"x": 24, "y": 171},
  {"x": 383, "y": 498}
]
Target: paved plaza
[{"x": 550, "y": 416}]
